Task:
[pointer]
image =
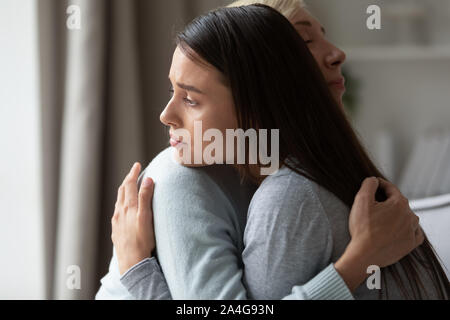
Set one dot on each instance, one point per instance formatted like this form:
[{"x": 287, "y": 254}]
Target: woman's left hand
[{"x": 132, "y": 223}]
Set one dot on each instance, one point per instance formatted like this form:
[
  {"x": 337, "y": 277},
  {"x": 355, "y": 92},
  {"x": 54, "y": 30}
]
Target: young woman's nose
[
  {"x": 169, "y": 116},
  {"x": 335, "y": 56}
]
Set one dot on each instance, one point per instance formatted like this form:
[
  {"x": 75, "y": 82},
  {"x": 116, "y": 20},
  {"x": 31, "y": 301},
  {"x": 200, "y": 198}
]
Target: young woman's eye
[
  {"x": 171, "y": 92},
  {"x": 190, "y": 102},
  {"x": 308, "y": 41}
]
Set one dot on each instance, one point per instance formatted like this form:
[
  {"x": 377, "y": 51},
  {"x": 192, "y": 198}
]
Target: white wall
[
  {"x": 21, "y": 251},
  {"x": 405, "y": 97}
]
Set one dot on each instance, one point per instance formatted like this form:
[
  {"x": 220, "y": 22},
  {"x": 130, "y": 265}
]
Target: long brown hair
[{"x": 277, "y": 84}]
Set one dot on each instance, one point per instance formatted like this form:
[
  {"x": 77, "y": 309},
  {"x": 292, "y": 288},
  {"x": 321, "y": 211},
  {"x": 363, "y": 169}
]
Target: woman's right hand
[
  {"x": 382, "y": 232},
  {"x": 132, "y": 223}
]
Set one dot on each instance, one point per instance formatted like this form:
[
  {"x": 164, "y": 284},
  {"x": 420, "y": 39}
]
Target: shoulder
[
  {"x": 286, "y": 188},
  {"x": 288, "y": 198},
  {"x": 288, "y": 226},
  {"x": 176, "y": 180},
  {"x": 216, "y": 188},
  {"x": 163, "y": 169}
]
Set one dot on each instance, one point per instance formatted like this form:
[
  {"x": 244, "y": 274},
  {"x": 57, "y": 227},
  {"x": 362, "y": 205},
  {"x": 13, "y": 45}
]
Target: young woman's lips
[{"x": 174, "y": 141}]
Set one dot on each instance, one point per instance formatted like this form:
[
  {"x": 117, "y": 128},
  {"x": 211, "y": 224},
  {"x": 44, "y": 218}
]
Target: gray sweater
[
  {"x": 295, "y": 231},
  {"x": 199, "y": 217},
  {"x": 296, "y": 227}
]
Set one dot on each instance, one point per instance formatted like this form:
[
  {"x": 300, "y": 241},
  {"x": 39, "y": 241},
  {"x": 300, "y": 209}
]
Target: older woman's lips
[{"x": 339, "y": 83}]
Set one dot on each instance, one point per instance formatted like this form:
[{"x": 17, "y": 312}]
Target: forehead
[
  {"x": 185, "y": 70},
  {"x": 304, "y": 16}
]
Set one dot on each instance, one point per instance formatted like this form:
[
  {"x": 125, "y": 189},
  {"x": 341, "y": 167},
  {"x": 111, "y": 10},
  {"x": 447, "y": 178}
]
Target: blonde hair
[{"x": 288, "y": 8}]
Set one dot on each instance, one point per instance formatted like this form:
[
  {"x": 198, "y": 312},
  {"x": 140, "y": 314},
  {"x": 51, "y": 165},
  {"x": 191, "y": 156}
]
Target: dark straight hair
[{"x": 277, "y": 84}]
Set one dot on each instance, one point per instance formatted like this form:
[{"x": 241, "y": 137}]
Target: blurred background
[{"x": 79, "y": 104}]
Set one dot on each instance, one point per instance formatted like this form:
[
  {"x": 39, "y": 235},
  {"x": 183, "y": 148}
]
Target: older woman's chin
[{"x": 338, "y": 97}]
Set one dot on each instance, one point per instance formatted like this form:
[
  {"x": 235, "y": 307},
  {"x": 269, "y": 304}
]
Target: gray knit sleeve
[
  {"x": 289, "y": 244},
  {"x": 145, "y": 281}
]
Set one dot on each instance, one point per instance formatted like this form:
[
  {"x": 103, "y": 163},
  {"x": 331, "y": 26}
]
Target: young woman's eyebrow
[
  {"x": 309, "y": 24},
  {"x": 188, "y": 87}
]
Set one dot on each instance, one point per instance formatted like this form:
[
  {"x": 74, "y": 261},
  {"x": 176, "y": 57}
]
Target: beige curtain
[{"x": 102, "y": 90}]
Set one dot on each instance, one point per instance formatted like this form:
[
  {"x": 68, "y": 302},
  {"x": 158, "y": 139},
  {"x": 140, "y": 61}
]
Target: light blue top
[{"x": 200, "y": 217}]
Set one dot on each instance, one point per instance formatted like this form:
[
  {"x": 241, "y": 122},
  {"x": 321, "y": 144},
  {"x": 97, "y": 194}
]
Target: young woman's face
[
  {"x": 328, "y": 57},
  {"x": 199, "y": 94}
]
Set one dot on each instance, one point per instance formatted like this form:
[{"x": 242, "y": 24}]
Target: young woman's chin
[{"x": 177, "y": 156}]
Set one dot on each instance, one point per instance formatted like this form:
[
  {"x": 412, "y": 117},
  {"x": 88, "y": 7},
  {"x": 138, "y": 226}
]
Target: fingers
[
  {"x": 130, "y": 184},
  {"x": 368, "y": 189},
  {"x": 394, "y": 196},
  {"x": 134, "y": 172},
  {"x": 140, "y": 179},
  {"x": 146, "y": 196},
  {"x": 390, "y": 189},
  {"x": 418, "y": 232},
  {"x": 120, "y": 199},
  {"x": 121, "y": 194},
  {"x": 415, "y": 221},
  {"x": 127, "y": 199},
  {"x": 420, "y": 236},
  {"x": 126, "y": 195}
]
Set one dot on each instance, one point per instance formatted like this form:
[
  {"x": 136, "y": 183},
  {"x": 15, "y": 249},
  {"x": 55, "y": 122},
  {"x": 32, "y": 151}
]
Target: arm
[
  {"x": 382, "y": 232},
  {"x": 199, "y": 217},
  {"x": 146, "y": 280},
  {"x": 197, "y": 237},
  {"x": 288, "y": 239},
  {"x": 111, "y": 288},
  {"x": 206, "y": 237},
  {"x": 198, "y": 225}
]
